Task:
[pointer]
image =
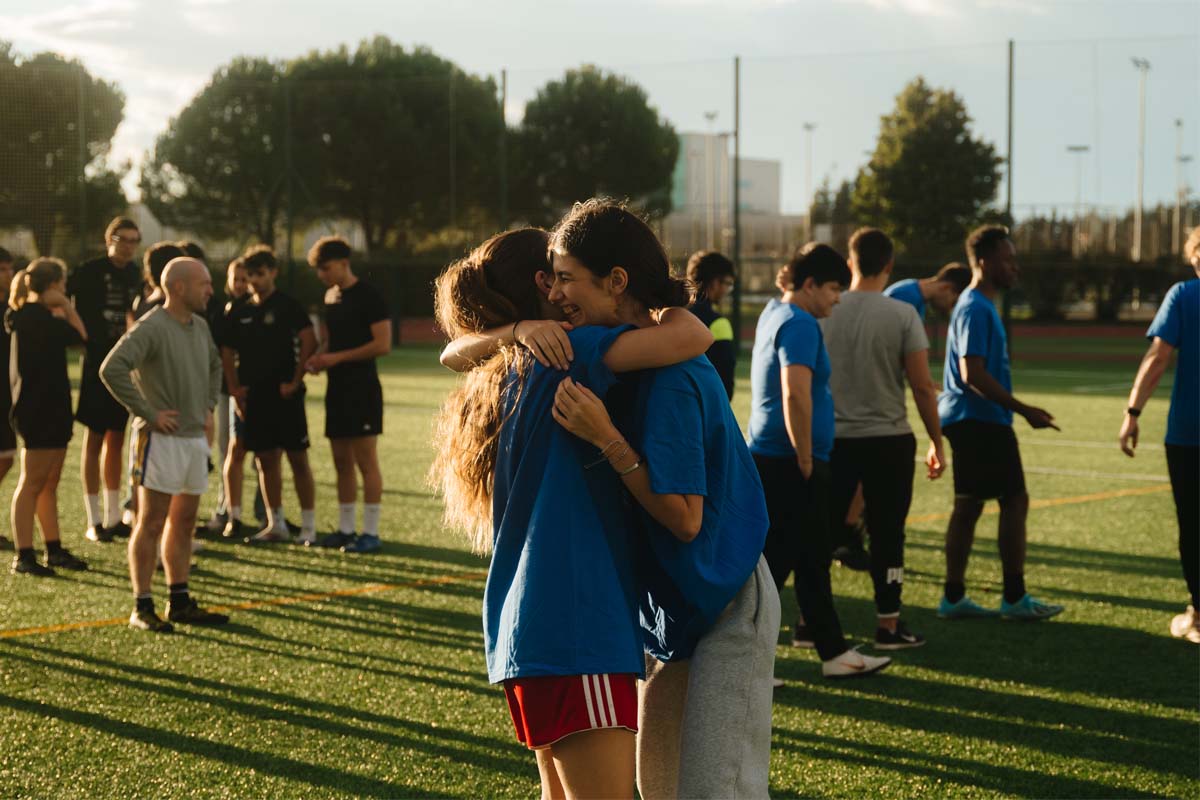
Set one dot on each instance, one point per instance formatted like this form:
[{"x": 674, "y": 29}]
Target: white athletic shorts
[{"x": 170, "y": 464}]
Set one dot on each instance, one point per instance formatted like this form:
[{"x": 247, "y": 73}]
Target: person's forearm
[
  {"x": 982, "y": 382},
  {"x": 926, "y": 399},
  {"x": 365, "y": 352},
  {"x": 115, "y": 373},
  {"x": 797, "y": 418},
  {"x": 468, "y": 351},
  {"x": 308, "y": 346},
  {"x": 74, "y": 320},
  {"x": 230, "y": 368},
  {"x": 1149, "y": 373}
]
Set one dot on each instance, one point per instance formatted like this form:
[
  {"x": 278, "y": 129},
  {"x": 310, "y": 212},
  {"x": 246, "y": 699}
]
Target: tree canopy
[
  {"x": 588, "y": 134},
  {"x": 929, "y": 180},
  {"x": 50, "y": 172}
]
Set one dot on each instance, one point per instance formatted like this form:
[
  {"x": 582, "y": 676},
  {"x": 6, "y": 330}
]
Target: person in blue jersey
[
  {"x": 791, "y": 437},
  {"x": 709, "y": 607},
  {"x": 713, "y": 276},
  {"x": 976, "y": 409},
  {"x": 940, "y": 290},
  {"x": 1176, "y": 327},
  {"x": 559, "y": 611}
]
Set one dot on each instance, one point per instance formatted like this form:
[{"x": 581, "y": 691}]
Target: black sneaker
[
  {"x": 65, "y": 560},
  {"x": 22, "y": 567},
  {"x": 853, "y": 556},
  {"x": 6, "y": 543},
  {"x": 901, "y": 639},
  {"x": 336, "y": 540},
  {"x": 235, "y": 529},
  {"x": 801, "y": 637},
  {"x": 293, "y": 528},
  {"x": 98, "y": 533},
  {"x": 190, "y": 613},
  {"x": 120, "y": 530},
  {"x": 149, "y": 621}
]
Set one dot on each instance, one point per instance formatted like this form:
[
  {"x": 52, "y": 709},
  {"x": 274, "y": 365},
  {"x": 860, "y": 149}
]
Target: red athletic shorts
[{"x": 546, "y": 709}]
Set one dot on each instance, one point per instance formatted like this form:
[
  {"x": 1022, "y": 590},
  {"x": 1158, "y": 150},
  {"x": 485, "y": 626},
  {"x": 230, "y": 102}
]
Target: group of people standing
[
  {"x": 638, "y": 543},
  {"x": 157, "y": 347}
]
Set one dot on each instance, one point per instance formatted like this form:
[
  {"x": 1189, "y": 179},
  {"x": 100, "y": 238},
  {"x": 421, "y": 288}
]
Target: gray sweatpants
[{"x": 704, "y": 725}]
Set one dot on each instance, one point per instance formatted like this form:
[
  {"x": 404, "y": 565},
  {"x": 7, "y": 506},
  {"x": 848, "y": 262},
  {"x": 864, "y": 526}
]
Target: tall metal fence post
[
  {"x": 737, "y": 216},
  {"x": 1006, "y": 304},
  {"x": 503, "y": 159},
  {"x": 288, "y": 167},
  {"x": 81, "y": 129}
]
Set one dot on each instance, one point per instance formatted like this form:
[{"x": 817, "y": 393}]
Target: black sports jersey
[
  {"x": 103, "y": 295},
  {"x": 349, "y": 315},
  {"x": 721, "y": 353},
  {"x": 144, "y": 304},
  {"x": 266, "y": 339},
  {"x": 38, "y": 375}
]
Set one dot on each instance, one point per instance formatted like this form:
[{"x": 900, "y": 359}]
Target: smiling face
[{"x": 584, "y": 298}]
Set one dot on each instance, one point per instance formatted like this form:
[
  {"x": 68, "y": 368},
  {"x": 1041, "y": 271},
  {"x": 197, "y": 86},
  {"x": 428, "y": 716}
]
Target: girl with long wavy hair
[{"x": 559, "y": 611}]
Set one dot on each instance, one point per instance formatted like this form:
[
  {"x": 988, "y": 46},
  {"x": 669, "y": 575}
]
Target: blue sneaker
[
  {"x": 965, "y": 608},
  {"x": 1029, "y": 608},
  {"x": 365, "y": 543}
]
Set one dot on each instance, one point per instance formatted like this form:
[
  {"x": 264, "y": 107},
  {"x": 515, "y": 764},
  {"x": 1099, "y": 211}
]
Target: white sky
[{"x": 838, "y": 63}]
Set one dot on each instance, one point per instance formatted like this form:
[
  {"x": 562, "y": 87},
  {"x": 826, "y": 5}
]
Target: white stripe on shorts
[
  {"x": 598, "y": 694},
  {"x": 587, "y": 695},
  {"x": 612, "y": 711}
]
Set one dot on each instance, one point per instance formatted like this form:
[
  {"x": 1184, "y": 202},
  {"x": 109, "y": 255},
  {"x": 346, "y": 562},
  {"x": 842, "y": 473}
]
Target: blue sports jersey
[
  {"x": 560, "y": 597},
  {"x": 909, "y": 291},
  {"x": 1176, "y": 324},
  {"x": 787, "y": 335},
  {"x": 691, "y": 444},
  {"x": 975, "y": 330}
]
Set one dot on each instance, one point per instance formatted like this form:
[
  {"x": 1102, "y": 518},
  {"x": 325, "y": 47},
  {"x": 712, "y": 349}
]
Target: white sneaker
[
  {"x": 776, "y": 682},
  {"x": 1186, "y": 625},
  {"x": 307, "y": 539},
  {"x": 853, "y": 664}
]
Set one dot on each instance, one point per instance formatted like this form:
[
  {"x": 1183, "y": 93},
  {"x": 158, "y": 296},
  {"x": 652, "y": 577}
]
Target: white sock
[
  {"x": 112, "y": 507},
  {"x": 308, "y": 521},
  {"x": 371, "y": 513},
  {"x": 235, "y": 512},
  {"x": 92, "y": 503},
  {"x": 345, "y": 517},
  {"x": 129, "y": 517},
  {"x": 276, "y": 521}
]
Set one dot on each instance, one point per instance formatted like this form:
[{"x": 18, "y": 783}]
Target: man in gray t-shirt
[{"x": 875, "y": 343}]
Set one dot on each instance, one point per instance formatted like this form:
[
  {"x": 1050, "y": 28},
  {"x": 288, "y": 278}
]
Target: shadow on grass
[{"x": 260, "y": 704}]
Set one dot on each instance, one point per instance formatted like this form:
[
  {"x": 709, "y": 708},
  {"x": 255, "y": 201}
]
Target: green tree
[
  {"x": 44, "y": 165},
  {"x": 588, "y": 134},
  {"x": 929, "y": 180},
  {"x": 401, "y": 141},
  {"x": 219, "y": 168}
]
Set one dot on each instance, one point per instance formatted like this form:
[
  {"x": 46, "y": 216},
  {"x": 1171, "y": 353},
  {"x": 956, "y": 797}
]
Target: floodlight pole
[
  {"x": 737, "y": 211},
  {"x": 1079, "y": 150},
  {"x": 809, "y": 127},
  {"x": 1176, "y": 243},
  {"x": 1143, "y": 67},
  {"x": 1006, "y": 303},
  {"x": 503, "y": 150}
]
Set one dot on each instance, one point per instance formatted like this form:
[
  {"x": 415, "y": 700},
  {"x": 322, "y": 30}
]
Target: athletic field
[{"x": 345, "y": 676}]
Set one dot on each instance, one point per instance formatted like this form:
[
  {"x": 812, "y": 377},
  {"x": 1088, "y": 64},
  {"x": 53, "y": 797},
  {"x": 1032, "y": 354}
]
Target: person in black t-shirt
[
  {"x": 103, "y": 291},
  {"x": 264, "y": 349},
  {"x": 357, "y": 329},
  {"x": 42, "y": 324},
  {"x": 154, "y": 261},
  {"x": 713, "y": 276},
  {"x": 8, "y": 437}
]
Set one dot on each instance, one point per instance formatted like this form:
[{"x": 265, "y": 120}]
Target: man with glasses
[{"x": 103, "y": 291}]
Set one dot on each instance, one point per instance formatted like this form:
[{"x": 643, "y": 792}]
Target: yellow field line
[
  {"x": 462, "y": 576},
  {"x": 1058, "y": 501},
  {"x": 274, "y": 601}
]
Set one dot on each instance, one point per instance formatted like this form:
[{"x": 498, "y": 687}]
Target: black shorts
[
  {"x": 42, "y": 430},
  {"x": 987, "y": 461},
  {"x": 353, "y": 409},
  {"x": 274, "y": 423},
  {"x": 8, "y": 436},
  {"x": 97, "y": 408}
]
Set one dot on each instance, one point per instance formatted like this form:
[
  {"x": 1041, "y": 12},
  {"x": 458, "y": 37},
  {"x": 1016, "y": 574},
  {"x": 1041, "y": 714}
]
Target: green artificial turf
[{"x": 364, "y": 677}]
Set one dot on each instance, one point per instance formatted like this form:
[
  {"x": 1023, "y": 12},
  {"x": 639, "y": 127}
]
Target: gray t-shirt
[
  {"x": 162, "y": 364},
  {"x": 867, "y": 336}
]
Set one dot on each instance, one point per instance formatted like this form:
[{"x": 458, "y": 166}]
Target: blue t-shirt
[
  {"x": 975, "y": 330},
  {"x": 560, "y": 596},
  {"x": 908, "y": 291},
  {"x": 787, "y": 335},
  {"x": 691, "y": 444},
  {"x": 1176, "y": 324}
]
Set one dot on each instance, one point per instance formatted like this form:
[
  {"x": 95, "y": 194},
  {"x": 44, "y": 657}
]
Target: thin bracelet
[
  {"x": 603, "y": 454},
  {"x": 615, "y": 459},
  {"x": 623, "y": 472}
]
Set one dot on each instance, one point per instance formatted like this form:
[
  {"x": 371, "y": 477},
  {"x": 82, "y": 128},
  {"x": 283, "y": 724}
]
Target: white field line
[
  {"x": 1083, "y": 473},
  {"x": 1088, "y": 445}
]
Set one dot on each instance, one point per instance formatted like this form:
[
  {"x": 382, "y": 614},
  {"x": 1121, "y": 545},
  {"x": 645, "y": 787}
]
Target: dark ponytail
[{"x": 603, "y": 234}]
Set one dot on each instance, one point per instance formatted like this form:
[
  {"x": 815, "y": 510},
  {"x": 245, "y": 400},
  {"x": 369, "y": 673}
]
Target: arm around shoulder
[{"x": 679, "y": 336}]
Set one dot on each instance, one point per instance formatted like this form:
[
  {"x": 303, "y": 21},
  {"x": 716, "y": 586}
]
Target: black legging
[
  {"x": 884, "y": 465},
  {"x": 798, "y": 540},
  {"x": 1183, "y": 465}
]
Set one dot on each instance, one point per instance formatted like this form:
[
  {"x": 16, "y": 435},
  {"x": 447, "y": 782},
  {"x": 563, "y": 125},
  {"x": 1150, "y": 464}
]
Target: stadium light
[{"x": 1143, "y": 67}]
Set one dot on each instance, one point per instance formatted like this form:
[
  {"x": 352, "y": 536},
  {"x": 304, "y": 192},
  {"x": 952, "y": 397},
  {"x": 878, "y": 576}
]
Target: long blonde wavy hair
[{"x": 493, "y": 286}]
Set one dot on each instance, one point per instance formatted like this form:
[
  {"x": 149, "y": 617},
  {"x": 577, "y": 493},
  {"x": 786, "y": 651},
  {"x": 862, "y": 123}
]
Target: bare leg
[
  {"x": 89, "y": 462},
  {"x": 143, "y": 542},
  {"x": 306, "y": 489},
  {"x": 343, "y": 465},
  {"x": 366, "y": 456},
  {"x": 234, "y": 472},
  {"x": 270, "y": 477},
  {"x": 6, "y": 463},
  {"x": 177, "y": 537},
  {"x": 1014, "y": 511},
  {"x": 35, "y": 466},
  {"x": 596, "y": 764},
  {"x": 960, "y": 536},
  {"x": 855, "y": 512},
  {"x": 551, "y": 786},
  {"x": 47, "y": 499},
  {"x": 114, "y": 441}
]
